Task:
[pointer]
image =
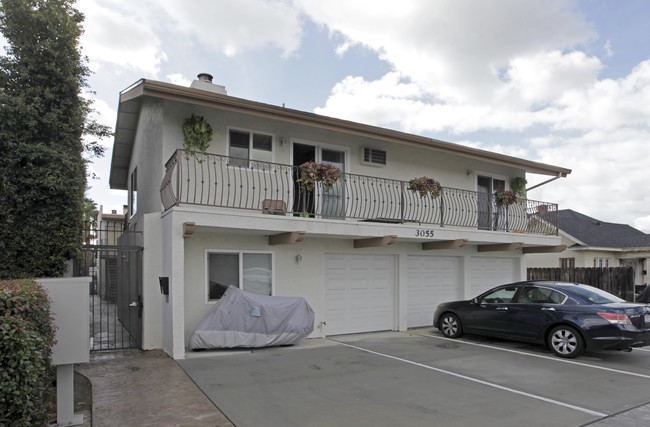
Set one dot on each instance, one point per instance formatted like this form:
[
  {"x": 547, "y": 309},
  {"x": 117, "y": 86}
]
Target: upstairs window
[{"x": 247, "y": 145}]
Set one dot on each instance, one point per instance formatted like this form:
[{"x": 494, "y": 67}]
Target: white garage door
[
  {"x": 431, "y": 280},
  {"x": 486, "y": 273},
  {"x": 360, "y": 293}
]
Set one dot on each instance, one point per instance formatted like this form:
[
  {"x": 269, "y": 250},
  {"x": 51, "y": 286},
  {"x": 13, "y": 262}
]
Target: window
[
  {"x": 602, "y": 262},
  {"x": 502, "y": 295},
  {"x": 133, "y": 190},
  {"x": 535, "y": 295},
  {"x": 245, "y": 146},
  {"x": 567, "y": 262},
  {"x": 252, "y": 272}
]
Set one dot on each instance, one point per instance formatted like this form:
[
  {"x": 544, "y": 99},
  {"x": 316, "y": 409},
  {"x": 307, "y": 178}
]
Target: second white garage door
[
  {"x": 360, "y": 293},
  {"x": 431, "y": 280}
]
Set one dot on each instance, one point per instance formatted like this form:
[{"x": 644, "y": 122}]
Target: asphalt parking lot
[{"x": 419, "y": 378}]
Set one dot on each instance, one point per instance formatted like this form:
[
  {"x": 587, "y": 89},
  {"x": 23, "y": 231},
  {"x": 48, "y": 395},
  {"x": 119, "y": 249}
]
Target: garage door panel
[
  {"x": 360, "y": 293},
  {"x": 431, "y": 280},
  {"x": 488, "y": 272}
]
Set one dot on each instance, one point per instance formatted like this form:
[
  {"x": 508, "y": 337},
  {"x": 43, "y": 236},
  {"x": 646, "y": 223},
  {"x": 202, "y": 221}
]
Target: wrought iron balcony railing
[{"x": 213, "y": 180}]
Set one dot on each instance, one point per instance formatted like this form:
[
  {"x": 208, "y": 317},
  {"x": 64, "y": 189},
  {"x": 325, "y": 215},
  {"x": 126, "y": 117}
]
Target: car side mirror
[{"x": 475, "y": 300}]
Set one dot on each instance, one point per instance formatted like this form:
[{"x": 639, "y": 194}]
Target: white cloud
[
  {"x": 178, "y": 79},
  {"x": 610, "y": 173},
  {"x": 457, "y": 47},
  {"x": 608, "y": 49},
  {"x": 643, "y": 224},
  {"x": 504, "y": 66},
  {"x": 230, "y": 26},
  {"x": 115, "y": 33}
]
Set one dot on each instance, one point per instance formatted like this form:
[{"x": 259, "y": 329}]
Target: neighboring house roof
[
  {"x": 129, "y": 107},
  {"x": 592, "y": 232}
]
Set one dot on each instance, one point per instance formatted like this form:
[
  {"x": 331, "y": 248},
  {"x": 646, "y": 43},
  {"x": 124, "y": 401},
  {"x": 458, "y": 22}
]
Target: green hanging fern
[
  {"x": 197, "y": 133},
  {"x": 518, "y": 185}
]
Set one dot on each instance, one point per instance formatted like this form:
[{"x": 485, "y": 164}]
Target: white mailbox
[{"x": 71, "y": 313}]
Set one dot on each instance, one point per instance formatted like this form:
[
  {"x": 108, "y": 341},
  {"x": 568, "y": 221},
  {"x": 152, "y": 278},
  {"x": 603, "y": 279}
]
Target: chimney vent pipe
[{"x": 205, "y": 77}]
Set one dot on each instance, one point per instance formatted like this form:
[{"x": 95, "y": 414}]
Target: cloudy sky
[{"x": 557, "y": 81}]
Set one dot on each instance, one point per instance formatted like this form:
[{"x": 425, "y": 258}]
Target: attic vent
[{"x": 373, "y": 157}]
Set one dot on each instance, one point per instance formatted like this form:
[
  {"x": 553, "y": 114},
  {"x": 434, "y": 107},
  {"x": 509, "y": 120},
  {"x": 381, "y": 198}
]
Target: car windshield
[{"x": 595, "y": 295}]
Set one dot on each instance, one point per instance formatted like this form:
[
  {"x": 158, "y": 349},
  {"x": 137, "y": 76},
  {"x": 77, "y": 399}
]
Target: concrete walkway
[{"x": 138, "y": 388}]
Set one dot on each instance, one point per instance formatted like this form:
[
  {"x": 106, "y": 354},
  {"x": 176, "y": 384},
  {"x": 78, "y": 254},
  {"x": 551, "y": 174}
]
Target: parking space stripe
[
  {"x": 541, "y": 356},
  {"x": 476, "y": 380}
]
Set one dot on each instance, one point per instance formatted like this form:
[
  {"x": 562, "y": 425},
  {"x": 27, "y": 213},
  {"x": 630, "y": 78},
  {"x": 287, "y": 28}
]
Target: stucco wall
[
  {"x": 147, "y": 158},
  {"x": 304, "y": 278},
  {"x": 403, "y": 162}
]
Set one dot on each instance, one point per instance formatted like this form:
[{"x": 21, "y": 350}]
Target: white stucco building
[{"x": 368, "y": 255}]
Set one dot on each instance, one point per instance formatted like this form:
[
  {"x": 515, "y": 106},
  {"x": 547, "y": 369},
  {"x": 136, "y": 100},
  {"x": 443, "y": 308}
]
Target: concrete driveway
[{"x": 419, "y": 378}]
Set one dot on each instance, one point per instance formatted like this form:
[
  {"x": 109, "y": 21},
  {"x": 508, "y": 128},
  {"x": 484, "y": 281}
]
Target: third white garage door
[
  {"x": 431, "y": 280},
  {"x": 487, "y": 272},
  {"x": 360, "y": 293}
]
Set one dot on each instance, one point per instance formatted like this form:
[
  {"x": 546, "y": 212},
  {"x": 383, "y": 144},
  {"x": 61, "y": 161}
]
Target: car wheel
[
  {"x": 450, "y": 326},
  {"x": 565, "y": 341}
]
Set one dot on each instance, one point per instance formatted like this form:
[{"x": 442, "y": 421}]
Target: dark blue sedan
[{"x": 567, "y": 317}]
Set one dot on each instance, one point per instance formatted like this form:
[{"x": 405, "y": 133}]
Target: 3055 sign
[{"x": 423, "y": 233}]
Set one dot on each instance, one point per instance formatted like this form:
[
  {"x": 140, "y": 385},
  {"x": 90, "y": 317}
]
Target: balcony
[{"x": 194, "y": 178}]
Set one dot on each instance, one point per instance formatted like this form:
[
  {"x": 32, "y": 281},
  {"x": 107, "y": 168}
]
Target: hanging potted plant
[
  {"x": 505, "y": 198},
  {"x": 197, "y": 134},
  {"x": 518, "y": 185},
  {"x": 425, "y": 187},
  {"x": 312, "y": 172}
]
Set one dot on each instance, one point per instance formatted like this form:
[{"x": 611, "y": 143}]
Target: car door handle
[
  {"x": 548, "y": 309},
  {"x": 502, "y": 308}
]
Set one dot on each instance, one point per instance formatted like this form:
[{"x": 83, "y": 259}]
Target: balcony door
[
  {"x": 330, "y": 204},
  {"x": 488, "y": 218}
]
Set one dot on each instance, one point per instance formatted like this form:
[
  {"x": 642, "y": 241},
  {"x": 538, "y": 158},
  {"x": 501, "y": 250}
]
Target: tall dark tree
[{"x": 42, "y": 120}]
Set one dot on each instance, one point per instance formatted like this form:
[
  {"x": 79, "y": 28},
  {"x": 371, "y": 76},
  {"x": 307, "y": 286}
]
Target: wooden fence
[{"x": 615, "y": 280}]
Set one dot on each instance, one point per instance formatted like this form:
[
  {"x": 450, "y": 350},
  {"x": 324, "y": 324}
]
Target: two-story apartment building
[{"x": 368, "y": 253}]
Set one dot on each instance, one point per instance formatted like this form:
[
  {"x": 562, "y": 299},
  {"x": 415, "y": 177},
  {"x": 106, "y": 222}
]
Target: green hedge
[{"x": 27, "y": 393}]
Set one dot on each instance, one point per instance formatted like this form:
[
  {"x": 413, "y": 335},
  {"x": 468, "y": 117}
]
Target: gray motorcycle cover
[{"x": 244, "y": 319}]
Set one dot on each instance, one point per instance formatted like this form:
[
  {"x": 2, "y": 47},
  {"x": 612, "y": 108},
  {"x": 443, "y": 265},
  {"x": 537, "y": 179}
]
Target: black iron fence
[
  {"x": 112, "y": 257},
  {"x": 213, "y": 180}
]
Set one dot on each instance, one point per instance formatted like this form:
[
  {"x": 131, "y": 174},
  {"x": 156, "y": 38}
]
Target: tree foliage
[{"x": 42, "y": 120}]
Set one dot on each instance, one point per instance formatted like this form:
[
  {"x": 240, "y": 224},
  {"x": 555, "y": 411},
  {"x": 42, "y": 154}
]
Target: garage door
[
  {"x": 431, "y": 280},
  {"x": 486, "y": 272},
  {"x": 360, "y": 293}
]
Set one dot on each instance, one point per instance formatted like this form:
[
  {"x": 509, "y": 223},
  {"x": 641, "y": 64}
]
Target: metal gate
[{"x": 112, "y": 257}]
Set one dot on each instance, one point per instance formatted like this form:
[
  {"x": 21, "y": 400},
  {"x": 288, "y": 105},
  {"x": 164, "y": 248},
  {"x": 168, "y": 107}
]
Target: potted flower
[
  {"x": 425, "y": 187},
  {"x": 505, "y": 198},
  {"x": 312, "y": 172},
  {"x": 197, "y": 134}
]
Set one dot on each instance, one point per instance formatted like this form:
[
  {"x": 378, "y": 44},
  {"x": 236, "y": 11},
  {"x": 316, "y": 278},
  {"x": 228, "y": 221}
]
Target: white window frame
[
  {"x": 251, "y": 132},
  {"x": 600, "y": 262},
  {"x": 206, "y": 279}
]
